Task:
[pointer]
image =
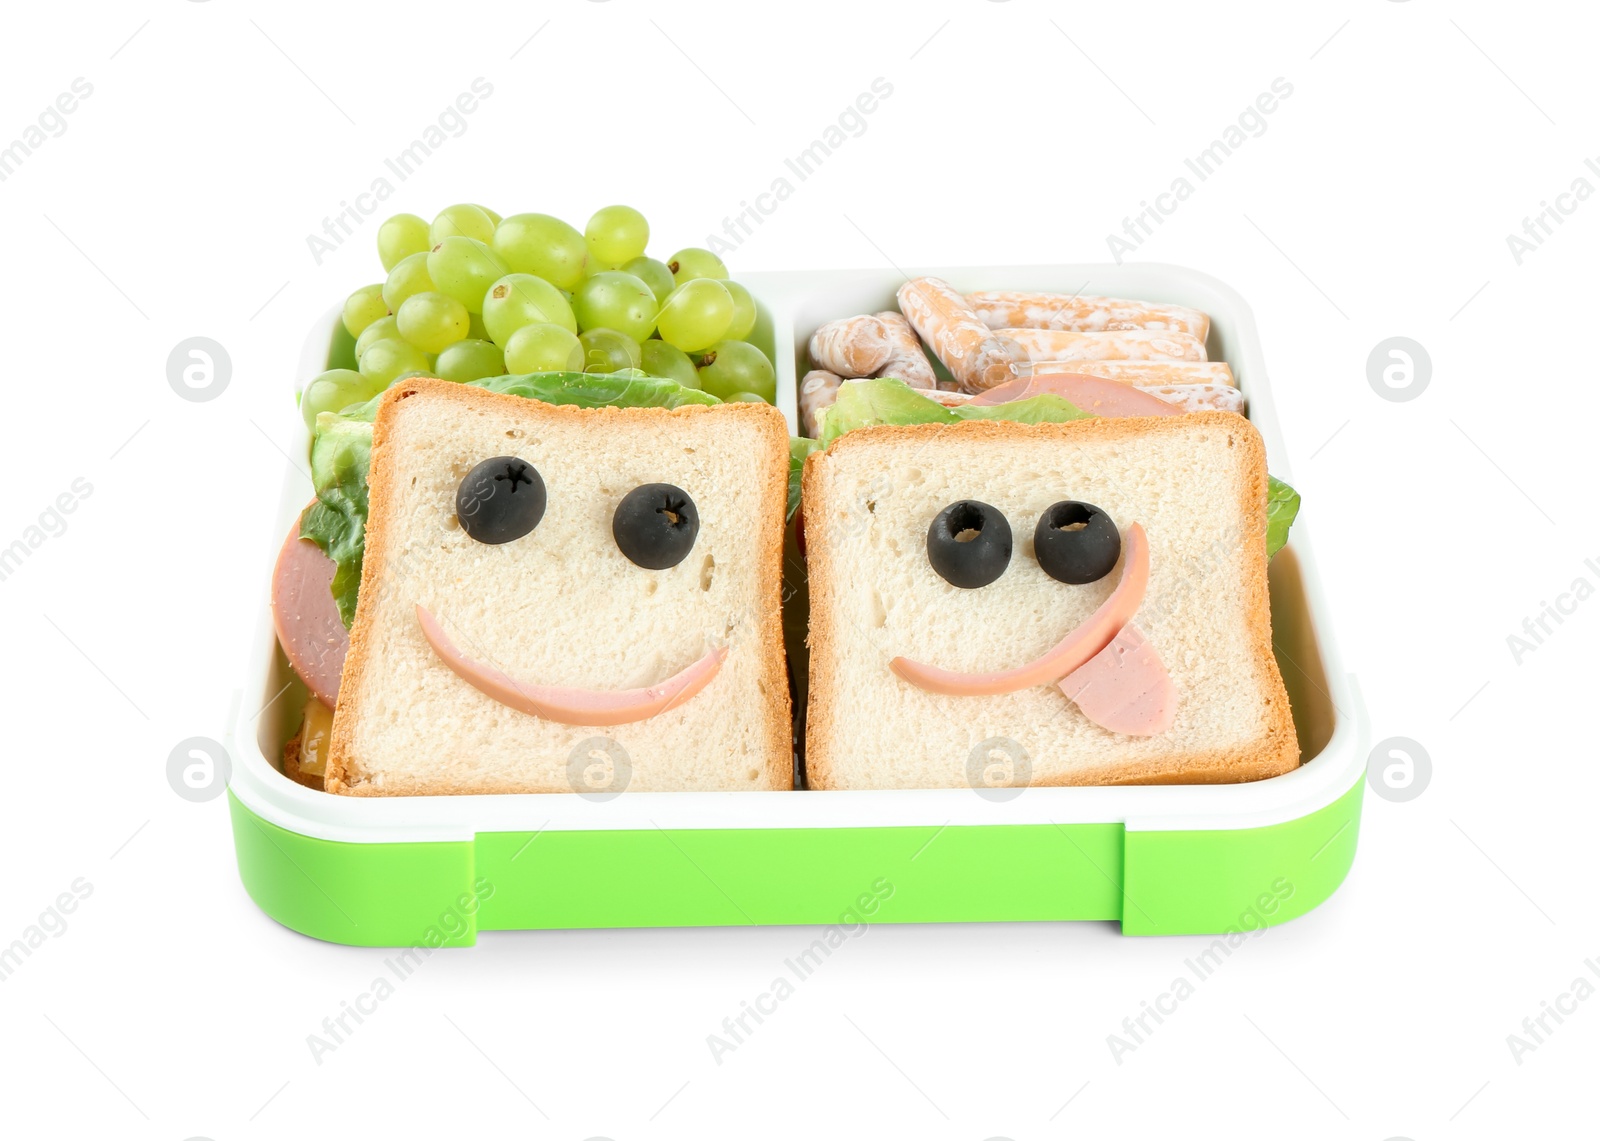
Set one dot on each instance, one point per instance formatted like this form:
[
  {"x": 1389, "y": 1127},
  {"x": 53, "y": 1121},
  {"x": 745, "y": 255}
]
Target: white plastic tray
[{"x": 1327, "y": 706}]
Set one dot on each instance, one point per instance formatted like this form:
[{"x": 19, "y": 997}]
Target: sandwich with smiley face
[
  {"x": 1002, "y": 603},
  {"x": 557, "y": 598}
]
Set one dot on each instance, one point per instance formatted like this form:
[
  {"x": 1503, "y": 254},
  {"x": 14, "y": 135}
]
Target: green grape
[
  {"x": 606, "y": 350},
  {"x": 362, "y": 308},
  {"x": 617, "y": 234},
  {"x": 471, "y": 359},
  {"x": 400, "y": 237},
  {"x": 697, "y": 314},
  {"x": 660, "y": 359},
  {"x": 476, "y": 330},
  {"x": 543, "y": 347},
  {"x": 737, "y": 366},
  {"x": 653, "y": 273},
  {"x": 543, "y": 246},
  {"x": 387, "y": 361},
  {"x": 334, "y": 391},
  {"x": 465, "y": 268},
  {"x": 408, "y": 277},
  {"x": 432, "y": 321},
  {"x": 493, "y": 217},
  {"x": 383, "y": 329},
  {"x": 463, "y": 220},
  {"x": 744, "y": 311},
  {"x": 745, "y": 398},
  {"x": 693, "y": 262},
  {"x": 519, "y": 299},
  {"x": 616, "y": 300}
]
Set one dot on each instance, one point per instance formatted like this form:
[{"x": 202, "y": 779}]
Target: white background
[{"x": 1377, "y": 203}]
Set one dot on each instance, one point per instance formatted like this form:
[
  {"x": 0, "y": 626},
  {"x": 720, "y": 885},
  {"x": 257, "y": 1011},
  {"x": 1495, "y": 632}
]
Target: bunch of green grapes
[{"x": 476, "y": 295}]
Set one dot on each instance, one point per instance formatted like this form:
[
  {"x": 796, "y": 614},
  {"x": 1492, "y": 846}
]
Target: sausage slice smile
[{"x": 572, "y": 705}]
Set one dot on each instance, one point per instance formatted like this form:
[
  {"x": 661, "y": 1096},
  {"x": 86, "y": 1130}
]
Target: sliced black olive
[
  {"x": 655, "y": 525},
  {"x": 969, "y": 544},
  {"x": 1076, "y": 542},
  {"x": 500, "y": 500}
]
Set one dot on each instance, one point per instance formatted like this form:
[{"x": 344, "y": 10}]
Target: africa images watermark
[
  {"x": 51, "y": 924},
  {"x": 1137, "y": 1028},
  {"x": 1541, "y": 226},
  {"x": 452, "y": 922},
  {"x": 1250, "y": 124},
  {"x": 851, "y": 123},
  {"x": 1537, "y": 1029},
  {"x": 50, "y": 524},
  {"x": 450, "y": 123},
  {"x": 852, "y": 924},
  {"x": 1538, "y": 627},
  {"x": 51, "y": 123}
]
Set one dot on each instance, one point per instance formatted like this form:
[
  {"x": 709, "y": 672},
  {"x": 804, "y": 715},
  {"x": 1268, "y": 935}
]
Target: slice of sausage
[
  {"x": 1089, "y": 393},
  {"x": 306, "y": 616},
  {"x": 572, "y": 705},
  {"x": 1125, "y": 687}
]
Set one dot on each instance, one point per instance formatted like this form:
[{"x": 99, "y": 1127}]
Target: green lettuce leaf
[
  {"x": 341, "y": 450},
  {"x": 1283, "y": 504},
  {"x": 872, "y": 403},
  {"x": 337, "y": 521},
  {"x": 799, "y": 448},
  {"x": 1045, "y": 409},
  {"x": 627, "y": 389}
]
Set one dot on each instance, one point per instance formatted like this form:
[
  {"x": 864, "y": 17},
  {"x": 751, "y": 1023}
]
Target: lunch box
[{"x": 436, "y": 870}]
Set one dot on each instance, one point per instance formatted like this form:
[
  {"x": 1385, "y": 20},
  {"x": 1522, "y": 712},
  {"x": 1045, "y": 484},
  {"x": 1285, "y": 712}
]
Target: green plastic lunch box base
[
  {"x": 444, "y": 893},
  {"x": 1201, "y": 859}
]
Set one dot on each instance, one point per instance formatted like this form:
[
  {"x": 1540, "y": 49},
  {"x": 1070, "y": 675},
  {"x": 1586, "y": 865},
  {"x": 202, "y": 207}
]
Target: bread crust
[
  {"x": 772, "y": 485},
  {"x": 1277, "y": 751}
]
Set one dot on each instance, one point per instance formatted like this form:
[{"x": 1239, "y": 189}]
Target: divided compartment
[{"x": 1160, "y": 859}]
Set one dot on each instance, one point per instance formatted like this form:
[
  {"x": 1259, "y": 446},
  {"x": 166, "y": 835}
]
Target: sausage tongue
[{"x": 1125, "y": 687}]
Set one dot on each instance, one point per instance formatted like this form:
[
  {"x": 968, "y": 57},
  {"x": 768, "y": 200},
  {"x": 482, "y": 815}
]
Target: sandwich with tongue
[{"x": 1061, "y": 571}]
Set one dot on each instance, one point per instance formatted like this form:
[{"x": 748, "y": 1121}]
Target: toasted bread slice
[
  {"x": 562, "y": 606},
  {"x": 1197, "y": 485}
]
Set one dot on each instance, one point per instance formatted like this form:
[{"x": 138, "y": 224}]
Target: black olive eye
[
  {"x": 655, "y": 525},
  {"x": 969, "y": 544},
  {"x": 500, "y": 500},
  {"x": 1076, "y": 542}
]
